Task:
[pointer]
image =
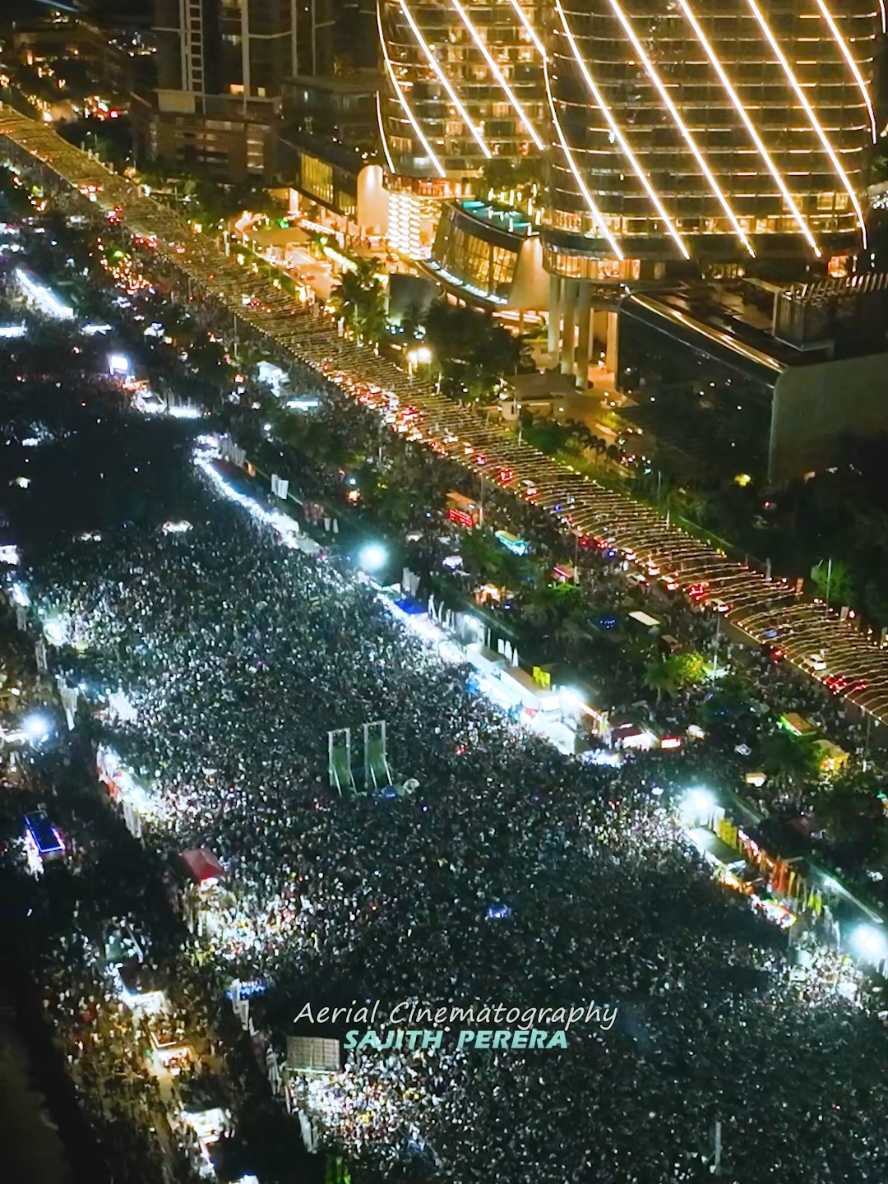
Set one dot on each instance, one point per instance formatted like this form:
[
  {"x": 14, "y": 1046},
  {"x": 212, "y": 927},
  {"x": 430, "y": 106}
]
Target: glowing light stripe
[
  {"x": 406, "y": 106},
  {"x": 750, "y": 126},
  {"x": 884, "y": 15},
  {"x": 682, "y": 126},
  {"x": 618, "y": 135},
  {"x": 383, "y": 137},
  {"x": 847, "y": 55},
  {"x": 531, "y": 31},
  {"x": 497, "y": 73},
  {"x": 442, "y": 78},
  {"x": 568, "y": 155},
  {"x": 809, "y": 111}
]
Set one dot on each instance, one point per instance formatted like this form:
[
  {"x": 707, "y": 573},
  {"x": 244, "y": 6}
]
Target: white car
[
  {"x": 815, "y": 662},
  {"x": 717, "y": 605}
]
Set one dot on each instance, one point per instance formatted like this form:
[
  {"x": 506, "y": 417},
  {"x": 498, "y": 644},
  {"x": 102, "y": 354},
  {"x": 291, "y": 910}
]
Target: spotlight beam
[
  {"x": 849, "y": 58},
  {"x": 531, "y": 31},
  {"x": 403, "y": 101},
  {"x": 809, "y": 111},
  {"x": 682, "y": 126},
  {"x": 577, "y": 175},
  {"x": 498, "y": 74},
  {"x": 382, "y": 136}
]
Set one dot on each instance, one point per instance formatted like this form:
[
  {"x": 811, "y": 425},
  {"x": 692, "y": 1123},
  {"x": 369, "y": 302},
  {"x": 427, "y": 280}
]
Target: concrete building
[
  {"x": 221, "y": 67},
  {"x": 489, "y": 256},
  {"x": 726, "y": 387}
]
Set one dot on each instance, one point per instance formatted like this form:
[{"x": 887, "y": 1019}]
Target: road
[{"x": 761, "y": 607}]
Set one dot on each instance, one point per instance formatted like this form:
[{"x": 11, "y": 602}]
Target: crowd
[
  {"x": 509, "y": 874},
  {"x": 238, "y": 656}
]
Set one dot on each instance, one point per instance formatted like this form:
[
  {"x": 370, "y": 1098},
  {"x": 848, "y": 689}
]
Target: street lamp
[
  {"x": 420, "y": 355},
  {"x": 870, "y": 943}
]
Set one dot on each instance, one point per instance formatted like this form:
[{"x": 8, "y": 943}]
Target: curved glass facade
[
  {"x": 464, "y": 84},
  {"x": 711, "y": 129},
  {"x": 675, "y": 129}
]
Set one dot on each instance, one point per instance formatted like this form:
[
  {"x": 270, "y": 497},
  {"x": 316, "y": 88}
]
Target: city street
[{"x": 754, "y": 603}]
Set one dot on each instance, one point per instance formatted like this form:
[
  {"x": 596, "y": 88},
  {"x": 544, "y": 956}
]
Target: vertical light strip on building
[
  {"x": 809, "y": 111},
  {"x": 618, "y": 135},
  {"x": 849, "y": 58},
  {"x": 577, "y": 175},
  {"x": 531, "y": 31},
  {"x": 382, "y": 136},
  {"x": 403, "y": 101},
  {"x": 682, "y": 126},
  {"x": 749, "y": 125},
  {"x": 497, "y": 73},
  {"x": 442, "y": 78}
]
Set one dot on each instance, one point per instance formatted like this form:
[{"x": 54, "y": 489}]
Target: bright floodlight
[
  {"x": 420, "y": 356},
  {"x": 571, "y": 699},
  {"x": 870, "y": 943},
  {"x": 118, "y": 364},
  {"x": 697, "y": 805},
  {"x": 372, "y": 557},
  {"x": 702, "y": 799},
  {"x": 36, "y": 728},
  {"x": 55, "y": 631}
]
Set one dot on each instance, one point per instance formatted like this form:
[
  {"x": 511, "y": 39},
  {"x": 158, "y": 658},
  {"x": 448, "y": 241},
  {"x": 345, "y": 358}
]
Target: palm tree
[
  {"x": 790, "y": 759},
  {"x": 359, "y": 300},
  {"x": 851, "y": 813},
  {"x": 661, "y": 677}
]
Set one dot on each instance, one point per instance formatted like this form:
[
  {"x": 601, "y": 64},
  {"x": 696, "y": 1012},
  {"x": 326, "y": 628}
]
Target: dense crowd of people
[
  {"x": 238, "y": 656},
  {"x": 215, "y": 661}
]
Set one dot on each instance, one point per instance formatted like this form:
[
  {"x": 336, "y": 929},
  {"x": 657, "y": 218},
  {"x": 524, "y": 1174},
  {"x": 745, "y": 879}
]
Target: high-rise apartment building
[
  {"x": 463, "y": 87},
  {"x": 465, "y": 84},
  {"x": 221, "y": 66},
  {"x": 713, "y": 137},
  {"x": 711, "y": 129}
]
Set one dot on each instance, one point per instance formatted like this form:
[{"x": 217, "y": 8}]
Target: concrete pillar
[
  {"x": 612, "y": 359},
  {"x": 584, "y": 327},
  {"x": 554, "y": 313},
  {"x": 569, "y": 301},
  {"x": 599, "y": 334}
]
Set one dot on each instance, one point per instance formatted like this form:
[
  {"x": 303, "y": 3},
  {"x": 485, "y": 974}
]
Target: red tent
[{"x": 203, "y": 865}]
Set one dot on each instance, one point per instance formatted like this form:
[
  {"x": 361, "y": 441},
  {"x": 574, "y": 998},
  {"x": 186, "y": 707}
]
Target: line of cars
[{"x": 585, "y": 510}]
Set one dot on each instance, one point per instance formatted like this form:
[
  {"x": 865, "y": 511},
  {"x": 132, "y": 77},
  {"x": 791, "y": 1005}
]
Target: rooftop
[{"x": 502, "y": 217}]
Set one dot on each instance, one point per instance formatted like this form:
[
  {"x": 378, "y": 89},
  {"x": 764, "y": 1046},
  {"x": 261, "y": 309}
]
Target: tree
[
  {"x": 360, "y": 301},
  {"x": 850, "y": 813},
  {"x": 661, "y": 677},
  {"x": 791, "y": 760},
  {"x": 689, "y": 669},
  {"x": 834, "y": 581},
  {"x": 411, "y": 323},
  {"x": 472, "y": 349}
]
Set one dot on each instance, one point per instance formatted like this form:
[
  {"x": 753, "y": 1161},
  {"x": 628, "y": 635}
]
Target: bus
[{"x": 463, "y": 510}]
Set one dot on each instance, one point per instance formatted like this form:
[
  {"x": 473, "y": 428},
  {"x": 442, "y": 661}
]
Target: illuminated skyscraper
[
  {"x": 465, "y": 84},
  {"x": 705, "y": 130},
  {"x": 710, "y": 129}
]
